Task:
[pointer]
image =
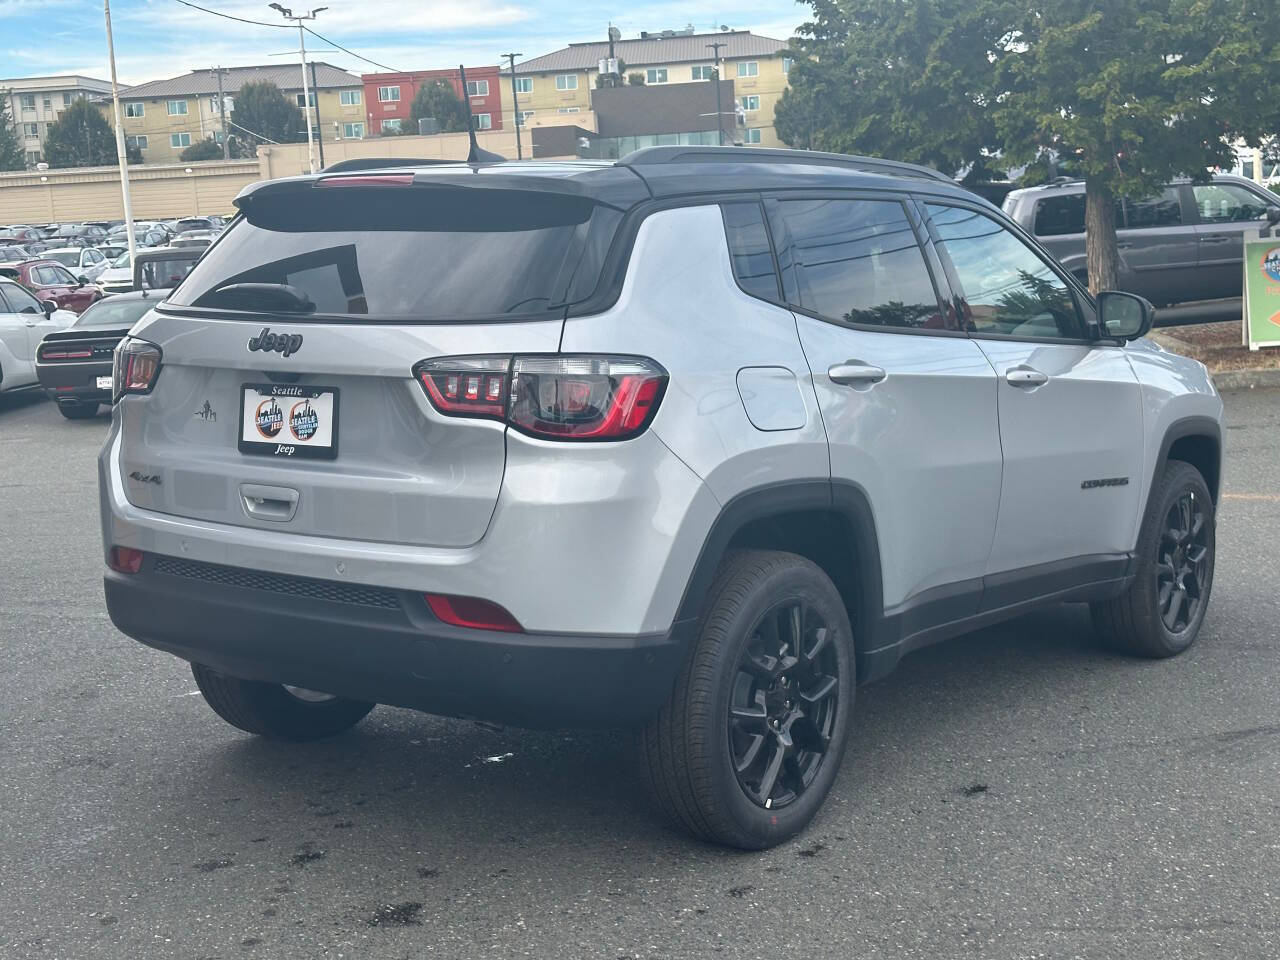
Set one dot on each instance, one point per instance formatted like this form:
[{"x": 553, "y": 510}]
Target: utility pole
[
  {"x": 515, "y": 101},
  {"x": 319, "y": 127},
  {"x": 217, "y": 73},
  {"x": 122, "y": 155},
  {"x": 715, "y": 51},
  {"x": 302, "y": 53}
]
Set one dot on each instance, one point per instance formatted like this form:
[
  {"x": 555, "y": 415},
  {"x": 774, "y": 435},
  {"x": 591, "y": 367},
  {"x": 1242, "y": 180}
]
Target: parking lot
[{"x": 1017, "y": 792}]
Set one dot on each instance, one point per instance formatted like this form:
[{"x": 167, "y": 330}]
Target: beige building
[
  {"x": 35, "y": 102},
  {"x": 564, "y": 82},
  {"x": 164, "y": 117}
]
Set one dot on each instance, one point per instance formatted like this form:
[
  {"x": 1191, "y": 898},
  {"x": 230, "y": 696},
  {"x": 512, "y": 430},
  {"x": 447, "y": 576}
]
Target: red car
[{"x": 50, "y": 280}]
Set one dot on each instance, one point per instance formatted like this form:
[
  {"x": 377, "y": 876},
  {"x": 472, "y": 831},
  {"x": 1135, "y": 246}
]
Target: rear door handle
[
  {"x": 1215, "y": 238},
  {"x": 855, "y": 371},
  {"x": 1025, "y": 377},
  {"x": 269, "y": 503}
]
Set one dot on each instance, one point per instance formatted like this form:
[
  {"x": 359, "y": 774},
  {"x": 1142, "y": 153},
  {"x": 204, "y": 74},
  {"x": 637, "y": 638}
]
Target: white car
[
  {"x": 118, "y": 277},
  {"x": 84, "y": 262},
  {"x": 24, "y": 322}
]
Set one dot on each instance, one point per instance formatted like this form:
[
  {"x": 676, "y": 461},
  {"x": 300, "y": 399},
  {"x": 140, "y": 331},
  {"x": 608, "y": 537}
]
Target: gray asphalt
[{"x": 1015, "y": 793}]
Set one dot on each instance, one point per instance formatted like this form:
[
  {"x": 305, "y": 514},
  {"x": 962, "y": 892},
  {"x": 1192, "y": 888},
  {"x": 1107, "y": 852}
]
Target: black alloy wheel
[{"x": 1182, "y": 563}]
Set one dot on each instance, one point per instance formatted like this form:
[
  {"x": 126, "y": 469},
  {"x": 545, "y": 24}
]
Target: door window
[
  {"x": 1007, "y": 287},
  {"x": 19, "y": 300},
  {"x": 854, "y": 261},
  {"x": 1227, "y": 203},
  {"x": 749, "y": 249},
  {"x": 1162, "y": 210}
]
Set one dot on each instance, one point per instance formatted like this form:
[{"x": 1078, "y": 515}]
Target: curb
[{"x": 1246, "y": 380}]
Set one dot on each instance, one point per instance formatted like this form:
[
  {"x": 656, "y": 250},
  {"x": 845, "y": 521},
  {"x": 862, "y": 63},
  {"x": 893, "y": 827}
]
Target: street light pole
[
  {"x": 515, "y": 101},
  {"x": 306, "y": 88},
  {"x": 715, "y": 49},
  {"x": 218, "y": 73},
  {"x": 122, "y": 154}
]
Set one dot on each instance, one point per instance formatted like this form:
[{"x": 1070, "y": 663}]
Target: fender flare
[{"x": 1196, "y": 425}]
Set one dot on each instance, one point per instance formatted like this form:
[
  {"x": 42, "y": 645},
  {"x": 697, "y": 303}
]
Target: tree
[
  {"x": 209, "y": 149},
  {"x": 82, "y": 137},
  {"x": 11, "y": 154},
  {"x": 636, "y": 79},
  {"x": 437, "y": 99},
  {"x": 262, "y": 114},
  {"x": 1137, "y": 92}
]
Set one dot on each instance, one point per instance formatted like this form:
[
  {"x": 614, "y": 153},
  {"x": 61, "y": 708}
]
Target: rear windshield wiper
[{"x": 261, "y": 296}]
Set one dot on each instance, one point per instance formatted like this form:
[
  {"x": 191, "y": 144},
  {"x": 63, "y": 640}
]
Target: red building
[{"x": 387, "y": 96}]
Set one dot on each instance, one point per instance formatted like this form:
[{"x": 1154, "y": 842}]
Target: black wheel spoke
[
  {"x": 751, "y": 754},
  {"x": 819, "y": 690},
  {"x": 750, "y": 719},
  {"x": 763, "y": 665},
  {"x": 809, "y": 737},
  {"x": 769, "y": 779},
  {"x": 1175, "y": 608}
]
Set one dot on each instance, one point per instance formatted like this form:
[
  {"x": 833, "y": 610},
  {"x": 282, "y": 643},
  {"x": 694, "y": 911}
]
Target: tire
[
  {"x": 81, "y": 411},
  {"x": 270, "y": 710},
  {"x": 1176, "y": 550},
  {"x": 691, "y": 752}
]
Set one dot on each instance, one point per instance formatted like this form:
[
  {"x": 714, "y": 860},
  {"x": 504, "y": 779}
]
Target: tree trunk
[{"x": 1101, "y": 256}]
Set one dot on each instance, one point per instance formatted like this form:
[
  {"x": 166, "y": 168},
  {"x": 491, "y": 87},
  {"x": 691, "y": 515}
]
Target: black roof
[{"x": 654, "y": 172}]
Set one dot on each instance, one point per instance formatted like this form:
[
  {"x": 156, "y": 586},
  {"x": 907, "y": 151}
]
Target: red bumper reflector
[
  {"x": 125, "y": 560},
  {"x": 472, "y": 612}
]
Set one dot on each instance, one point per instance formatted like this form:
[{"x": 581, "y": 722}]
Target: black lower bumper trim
[{"x": 399, "y": 655}]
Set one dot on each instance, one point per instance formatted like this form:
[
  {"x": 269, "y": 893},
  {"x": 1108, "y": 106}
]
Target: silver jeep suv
[{"x": 697, "y": 442}]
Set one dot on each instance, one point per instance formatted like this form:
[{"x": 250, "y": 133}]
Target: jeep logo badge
[{"x": 281, "y": 343}]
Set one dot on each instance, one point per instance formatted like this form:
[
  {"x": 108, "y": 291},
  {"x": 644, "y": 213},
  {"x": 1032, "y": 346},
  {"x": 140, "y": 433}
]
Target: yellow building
[
  {"x": 164, "y": 117},
  {"x": 563, "y": 82}
]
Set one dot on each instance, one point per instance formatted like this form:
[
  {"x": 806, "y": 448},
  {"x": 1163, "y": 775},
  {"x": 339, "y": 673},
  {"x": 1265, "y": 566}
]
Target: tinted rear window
[
  {"x": 162, "y": 274},
  {"x": 115, "y": 312},
  {"x": 412, "y": 253}
]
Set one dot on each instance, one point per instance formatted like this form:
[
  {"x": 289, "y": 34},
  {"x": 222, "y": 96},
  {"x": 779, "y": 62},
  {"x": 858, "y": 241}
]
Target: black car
[{"x": 74, "y": 365}]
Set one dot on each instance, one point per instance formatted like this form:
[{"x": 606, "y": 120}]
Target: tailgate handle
[{"x": 268, "y": 503}]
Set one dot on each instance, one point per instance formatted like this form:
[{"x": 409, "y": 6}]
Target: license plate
[
  {"x": 104, "y": 383},
  {"x": 284, "y": 420}
]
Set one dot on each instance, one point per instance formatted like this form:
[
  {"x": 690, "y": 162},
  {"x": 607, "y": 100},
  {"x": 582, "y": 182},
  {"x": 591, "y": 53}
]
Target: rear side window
[
  {"x": 1162, "y": 210},
  {"x": 854, "y": 261},
  {"x": 749, "y": 249},
  {"x": 163, "y": 274},
  {"x": 1062, "y": 215},
  {"x": 425, "y": 253}
]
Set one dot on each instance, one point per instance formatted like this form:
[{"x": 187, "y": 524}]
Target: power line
[
  {"x": 217, "y": 13},
  {"x": 252, "y": 133},
  {"x": 348, "y": 52}
]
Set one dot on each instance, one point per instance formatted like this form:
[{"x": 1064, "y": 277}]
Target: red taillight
[
  {"x": 472, "y": 612},
  {"x": 558, "y": 398},
  {"x": 124, "y": 559},
  {"x": 368, "y": 180},
  {"x": 135, "y": 367},
  {"x": 53, "y": 355}
]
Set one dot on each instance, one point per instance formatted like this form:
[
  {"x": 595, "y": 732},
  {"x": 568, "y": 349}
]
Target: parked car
[
  {"x": 197, "y": 239},
  {"x": 50, "y": 280},
  {"x": 11, "y": 254},
  {"x": 87, "y": 262},
  {"x": 118, "y": 277},
  {"x": 74, "y": 365},
  {"x": 20, "y": 234},
  {"x": 696, "y": 441},
  {"x": 188, "y": 224},
  {"x": 87, "y": 233},
  {"x": 1185, "y": 243},
  {"x": 24, "y": 322},
  {"x": 163, "y": 267}
]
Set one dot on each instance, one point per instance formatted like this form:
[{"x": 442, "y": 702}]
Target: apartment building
[
  {"x": 164, "y": 117},
  {"x": 564, "y": 82},
  {"x": 388, "y": 97},
  {"x": 35, "y": 102}
]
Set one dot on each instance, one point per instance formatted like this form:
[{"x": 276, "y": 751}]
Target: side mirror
[
  {"x": 1124, "y": 316},
  {"x": 1273, "y": 215},
  {"x": 81, "y": 280},
  {"x": 49, "y": 306}
]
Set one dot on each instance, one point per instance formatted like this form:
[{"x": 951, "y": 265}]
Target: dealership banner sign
[{"x": 1262, "y": 293}]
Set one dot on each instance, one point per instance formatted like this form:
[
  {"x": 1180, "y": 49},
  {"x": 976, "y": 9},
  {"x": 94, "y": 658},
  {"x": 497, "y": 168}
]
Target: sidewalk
[{"x": 1218, "y": 346}]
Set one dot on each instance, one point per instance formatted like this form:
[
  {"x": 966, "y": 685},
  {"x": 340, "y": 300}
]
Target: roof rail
[
  {"x": 696, "y": 154},
  {"x": 381, "y": 163}
]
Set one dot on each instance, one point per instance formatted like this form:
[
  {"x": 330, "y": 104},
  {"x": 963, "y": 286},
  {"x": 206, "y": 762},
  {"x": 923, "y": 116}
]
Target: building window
[
  {"x": 522, "y": 117},
  {"x": 177, "y": 108},
  {"x": 28, "y": 101},
  {"x": 750, "y": 103},
  {"x": 567, "y": 81},
  {"x": 786, "y": 64},
  {"x": 388, "y": 94},
  {"x": 66, "y": 99},
  {"x": 355, "y": 131},
  {"x": 483, "y": 121},
  {"x": 31, "y": 129},
  {"x": 389, "y": 126},
  {"x": 751, "y": 135},
  {"x": 139, "y": 142},
  {"x": 655, "y": 75},
  {"x": 477, "y": 88},
  {"x": 48, "y": 102},
  {"x": 349, "y": 98},
  {"x": 33, "y": 157},
  {"x": 704, "y": 73},
  {"x": 134, "y": 109},
  {"x": 524, "y": 84},
  {"x": 568, "y": 109},
  {"x": 310, "y": 101},
  {"x": 179, "y": 140},
  {"x": 748, "y": 68}
]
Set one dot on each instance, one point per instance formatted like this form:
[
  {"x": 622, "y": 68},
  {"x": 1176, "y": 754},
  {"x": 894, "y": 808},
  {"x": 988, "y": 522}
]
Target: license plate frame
[
  {"x": 102, "y": 383},
  {"x": 287, "y": 443}
]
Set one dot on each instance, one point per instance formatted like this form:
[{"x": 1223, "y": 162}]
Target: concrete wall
[{"x": 290, "y": 159}]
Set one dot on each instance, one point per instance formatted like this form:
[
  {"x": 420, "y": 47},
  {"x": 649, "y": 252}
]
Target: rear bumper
[
  {"x": 74, "y": 383},
  {"x": 386, "y": 647}
]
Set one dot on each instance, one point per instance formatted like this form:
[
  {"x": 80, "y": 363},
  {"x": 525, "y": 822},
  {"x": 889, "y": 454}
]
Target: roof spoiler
[
  {"x": 649, "y": 156},
  {"x": 382, "y": 163}
]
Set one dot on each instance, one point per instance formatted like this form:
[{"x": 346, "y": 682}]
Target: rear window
[
  {"x": 425, "y": 253},
  {"x": 163, "y": 274},
  {"x": 68, "y": 258},
  {"x": 115, "y": 312}
]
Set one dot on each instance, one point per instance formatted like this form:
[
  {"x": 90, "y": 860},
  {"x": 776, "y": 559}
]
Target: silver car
[
  {"x": 1185, "y": 243},
  {"x": 697, "y": 442},
  {"x": 86, "y": 262}
]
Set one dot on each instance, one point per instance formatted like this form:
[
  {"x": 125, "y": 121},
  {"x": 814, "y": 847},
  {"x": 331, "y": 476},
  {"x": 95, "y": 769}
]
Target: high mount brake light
[
  {"x": 368, "y": 180},
  {"x": 134, "y": 368},
  {"x": 555, "y": 398}
]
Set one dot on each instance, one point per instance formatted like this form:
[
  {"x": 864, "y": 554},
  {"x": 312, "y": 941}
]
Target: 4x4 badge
[{"x": 281, "y": 343}]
